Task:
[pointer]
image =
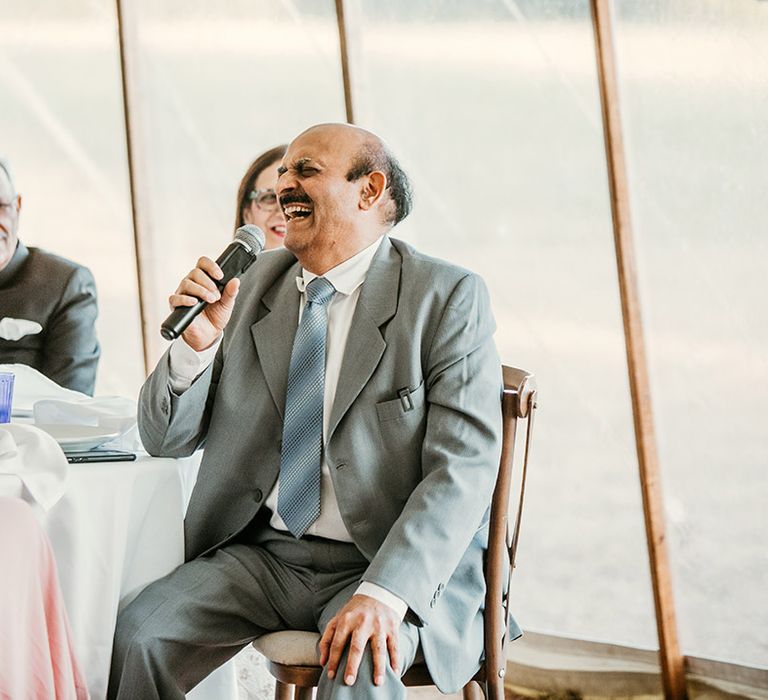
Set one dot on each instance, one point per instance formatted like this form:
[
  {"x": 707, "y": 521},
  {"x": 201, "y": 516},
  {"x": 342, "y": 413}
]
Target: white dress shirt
[{"x": 347, "y": 278}]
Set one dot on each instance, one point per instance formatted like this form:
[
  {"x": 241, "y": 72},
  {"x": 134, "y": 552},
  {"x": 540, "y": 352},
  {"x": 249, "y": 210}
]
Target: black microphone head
[{"x": 252, "y": 236}]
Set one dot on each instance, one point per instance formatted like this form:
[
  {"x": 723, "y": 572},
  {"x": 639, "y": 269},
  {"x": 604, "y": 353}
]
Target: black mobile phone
[{"x": 100, "y": 456}]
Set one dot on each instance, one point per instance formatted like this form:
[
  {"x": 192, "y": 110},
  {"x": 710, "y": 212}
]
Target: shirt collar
[
  {"x": 346, "y": 277},
  {"x": 14, "y": 264}
]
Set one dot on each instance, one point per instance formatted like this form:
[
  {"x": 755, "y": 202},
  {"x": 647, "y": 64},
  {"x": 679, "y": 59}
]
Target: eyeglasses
[{"x": 265, "y": 200}]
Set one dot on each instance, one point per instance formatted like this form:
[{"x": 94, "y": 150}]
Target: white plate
[{"x": 78, "y": 437}]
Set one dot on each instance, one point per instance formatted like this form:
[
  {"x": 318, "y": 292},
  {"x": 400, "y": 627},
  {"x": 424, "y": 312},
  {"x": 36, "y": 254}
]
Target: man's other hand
[
  {"x": 197, "y": 285},
  {"x": 362, "y": 620}
]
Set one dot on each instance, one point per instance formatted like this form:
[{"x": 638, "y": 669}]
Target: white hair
[{"x": 4, "y": 165}]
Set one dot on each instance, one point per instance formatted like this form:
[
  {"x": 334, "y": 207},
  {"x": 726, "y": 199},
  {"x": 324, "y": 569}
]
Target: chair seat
[
  {"x": 290, "y": 648},
  {"x": 293, "y": 659}
]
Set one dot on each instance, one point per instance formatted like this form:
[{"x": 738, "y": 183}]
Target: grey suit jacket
[
  {"x": 61, "y": 296},
  {"x": 413, "y": 476}
]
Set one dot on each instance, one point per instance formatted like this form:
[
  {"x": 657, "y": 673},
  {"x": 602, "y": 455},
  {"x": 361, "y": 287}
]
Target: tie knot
[{"x": 319, "y": 291}]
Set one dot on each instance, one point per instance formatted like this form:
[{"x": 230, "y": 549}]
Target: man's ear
[{"x": 373, "y": 188}]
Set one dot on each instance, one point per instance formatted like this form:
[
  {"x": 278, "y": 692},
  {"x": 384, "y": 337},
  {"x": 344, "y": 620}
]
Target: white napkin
[
  {"x": 36, "y": 459},
  {"x": 114, "y": 414},
  {"x": 30, "y": 386},
  {"x": 16, "y": 328}
]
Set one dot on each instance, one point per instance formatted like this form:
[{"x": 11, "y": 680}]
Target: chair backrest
[{"x": 518, "y": 403}]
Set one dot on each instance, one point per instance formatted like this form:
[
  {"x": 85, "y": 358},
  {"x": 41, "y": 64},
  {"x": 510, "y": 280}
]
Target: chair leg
[
  {"x": 472, "y": 691},
  {"x": 494, "y": 689},
  {"x": 283, "y": 691},
  {"x": 304, "y": 693}
]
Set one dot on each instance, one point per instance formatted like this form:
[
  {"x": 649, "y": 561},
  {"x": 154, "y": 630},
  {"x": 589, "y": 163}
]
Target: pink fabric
[{"x": 37, "y": 659}]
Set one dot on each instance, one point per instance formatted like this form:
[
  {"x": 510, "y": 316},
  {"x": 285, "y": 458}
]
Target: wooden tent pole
[
  {"x": 141, "y": 244},
  {"x": 672, "y": 665},
  {"x": 344, "y": 48}
]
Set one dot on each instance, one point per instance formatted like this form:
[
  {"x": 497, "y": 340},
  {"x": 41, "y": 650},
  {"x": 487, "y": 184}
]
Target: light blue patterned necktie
[{"x": 298, "y": 499}]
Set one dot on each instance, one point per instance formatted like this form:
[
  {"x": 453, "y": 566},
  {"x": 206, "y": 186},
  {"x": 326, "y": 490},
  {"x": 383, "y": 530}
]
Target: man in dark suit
[
  {"x": 351, "y": 419},
  {"x": 47, "y": 304}
]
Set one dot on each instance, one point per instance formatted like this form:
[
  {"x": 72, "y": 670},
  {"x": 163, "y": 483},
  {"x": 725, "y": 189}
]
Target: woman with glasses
[{"x": 256, "y": 199}]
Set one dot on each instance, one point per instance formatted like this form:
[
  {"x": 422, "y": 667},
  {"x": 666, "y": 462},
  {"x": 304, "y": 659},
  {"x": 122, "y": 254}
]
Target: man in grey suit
[
  {"x": 51, "y": 300},
  {"x": 353, "y": 501}
]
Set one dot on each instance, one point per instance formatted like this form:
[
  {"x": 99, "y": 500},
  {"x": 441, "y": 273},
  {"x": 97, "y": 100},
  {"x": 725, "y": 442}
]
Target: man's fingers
[
  {"x": 340, "y": 636},
  {"x": 230, "y": 291},
  {"x": 392, "y": 648},
  {"x": 195, "y": 290},
  {"x": 210, "y": 268},
  {"x": 355, "y": 655},
  {"x": 202, "y": 278},
  {"x": 192, "y": 288},
  {"x": 199, "y": 283},
  {"x": 325, "y": 641},
  {"x": 181, "y": 300},
  {"x": 379, "y": 654},
  {"x": 361, "y": 621}
]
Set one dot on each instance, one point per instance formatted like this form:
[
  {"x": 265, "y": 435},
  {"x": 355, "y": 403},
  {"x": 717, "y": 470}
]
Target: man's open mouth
[{"x": 297, "y": 211}]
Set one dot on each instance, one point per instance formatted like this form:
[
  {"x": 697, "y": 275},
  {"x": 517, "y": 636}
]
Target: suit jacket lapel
[
  {"x": 365, "y": 343},
  {"x": 273, "y": 334}
]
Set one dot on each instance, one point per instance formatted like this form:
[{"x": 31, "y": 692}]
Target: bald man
[
  {"x": 347, "y": 392},
  {"x": 51, "y": 301}
]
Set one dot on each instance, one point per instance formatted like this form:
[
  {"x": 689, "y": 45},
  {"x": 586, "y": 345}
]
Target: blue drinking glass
[{"x": 6, "y": 396}]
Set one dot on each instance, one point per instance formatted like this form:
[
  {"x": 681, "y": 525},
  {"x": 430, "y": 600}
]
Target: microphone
[{"x": 234, "y": 261}]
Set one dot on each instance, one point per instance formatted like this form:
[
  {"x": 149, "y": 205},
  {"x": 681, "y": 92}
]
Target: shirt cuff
[
  {"x": 383, "y": 596},
  {"x": 186, "y": 364}
]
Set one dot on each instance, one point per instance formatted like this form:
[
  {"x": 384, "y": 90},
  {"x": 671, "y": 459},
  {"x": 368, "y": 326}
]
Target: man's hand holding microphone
[{"x": 203, "y": 302}]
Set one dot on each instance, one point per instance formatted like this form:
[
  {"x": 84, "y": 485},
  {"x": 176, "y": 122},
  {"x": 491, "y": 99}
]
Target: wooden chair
[{"x": 292, "y": 655}]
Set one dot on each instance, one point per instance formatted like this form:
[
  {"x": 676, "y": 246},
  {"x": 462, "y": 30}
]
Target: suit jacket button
[
  {"x": 432, "y": 603},
  {"x": 258, "y": 495}
]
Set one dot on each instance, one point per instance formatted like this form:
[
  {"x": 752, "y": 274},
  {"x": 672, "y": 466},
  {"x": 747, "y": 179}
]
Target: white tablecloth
[{"x": 118, "y": 527}]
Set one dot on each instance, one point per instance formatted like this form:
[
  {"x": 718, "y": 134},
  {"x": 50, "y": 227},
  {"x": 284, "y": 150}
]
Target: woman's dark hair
[{"x": 249, "y": 179}]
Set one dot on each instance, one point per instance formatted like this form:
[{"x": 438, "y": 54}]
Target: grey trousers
[{"x": 185, "y": 625}]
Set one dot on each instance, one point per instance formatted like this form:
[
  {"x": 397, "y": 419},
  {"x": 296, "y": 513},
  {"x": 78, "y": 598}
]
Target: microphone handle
[
  {"x": 234, "y": 261},
  {"x": 179, "y": 319}
]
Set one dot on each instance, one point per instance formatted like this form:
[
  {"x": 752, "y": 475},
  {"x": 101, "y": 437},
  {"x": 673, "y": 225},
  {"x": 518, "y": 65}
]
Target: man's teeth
[{"x": 297, "y": 210}]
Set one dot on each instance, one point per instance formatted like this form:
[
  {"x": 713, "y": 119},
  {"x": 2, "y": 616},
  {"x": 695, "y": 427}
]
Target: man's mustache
[{"x": 288, "y": 199}]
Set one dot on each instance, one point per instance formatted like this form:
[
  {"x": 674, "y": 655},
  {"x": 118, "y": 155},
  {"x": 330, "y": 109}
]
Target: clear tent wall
[{"x": 494, "y": 109}]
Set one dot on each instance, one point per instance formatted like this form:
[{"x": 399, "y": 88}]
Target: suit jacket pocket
[
  {"x": 408, "y": 404},
  {"x": 402, "y": 423}
]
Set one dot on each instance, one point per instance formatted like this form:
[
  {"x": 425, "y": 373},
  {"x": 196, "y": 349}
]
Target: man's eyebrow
[{"x": 296, "y": 165}]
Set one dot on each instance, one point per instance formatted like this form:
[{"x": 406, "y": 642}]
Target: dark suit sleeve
[
  {"x": 71, "y": 350},
  {"x": 460, "y": 455}
]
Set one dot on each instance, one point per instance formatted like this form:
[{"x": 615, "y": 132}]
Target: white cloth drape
[{"x": 32, "y": 465}]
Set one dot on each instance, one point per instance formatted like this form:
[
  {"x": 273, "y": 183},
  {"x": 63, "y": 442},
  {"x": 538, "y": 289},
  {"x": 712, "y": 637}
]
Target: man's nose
[{"x": 285, "y": 183}]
